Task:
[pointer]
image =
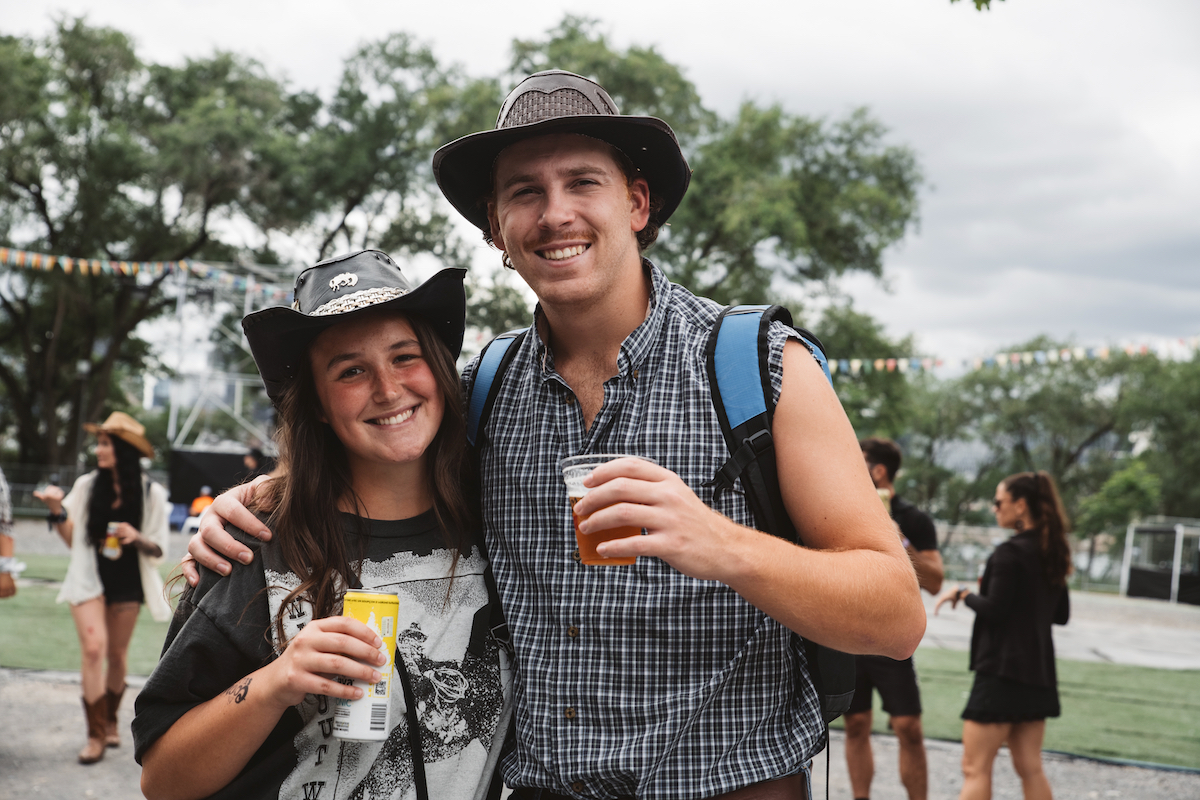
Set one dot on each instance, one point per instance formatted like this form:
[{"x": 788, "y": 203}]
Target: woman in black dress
[{"x": 1022, "y": 593}]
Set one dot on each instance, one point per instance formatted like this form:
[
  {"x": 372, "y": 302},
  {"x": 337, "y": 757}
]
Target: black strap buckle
[{"x": 748, "y": 452}]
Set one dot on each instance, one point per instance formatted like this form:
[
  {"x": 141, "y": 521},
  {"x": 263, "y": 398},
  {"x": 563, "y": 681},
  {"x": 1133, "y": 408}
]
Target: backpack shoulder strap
[
  {"x": 493, "y": 363},
  {"x": 744, "y": 402},
  {"x": 489, "y": 375}
]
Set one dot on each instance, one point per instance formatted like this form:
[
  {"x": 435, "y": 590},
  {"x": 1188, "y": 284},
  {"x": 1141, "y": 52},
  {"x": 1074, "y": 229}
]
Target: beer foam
[{"x": 574, "y": 481}]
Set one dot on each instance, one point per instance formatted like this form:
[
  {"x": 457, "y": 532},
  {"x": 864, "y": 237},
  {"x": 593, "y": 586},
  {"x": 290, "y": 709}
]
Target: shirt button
[
  {"x": 569, "y": 400},
  {"x": 569, "y": 713},
  {"x": 577, "y": 787},
  {"x": 572, "y": 631},
  {"x": 576, "y": 555}
]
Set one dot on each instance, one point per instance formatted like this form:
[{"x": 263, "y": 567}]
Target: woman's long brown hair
[
  {"x": 302, "y": 503},
  {"x": 1046, "y": 509},
  {"x": 104, "y": 490}
]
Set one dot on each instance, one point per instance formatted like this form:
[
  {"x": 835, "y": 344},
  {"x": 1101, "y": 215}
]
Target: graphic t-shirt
[{"x": 226, "y": 631}]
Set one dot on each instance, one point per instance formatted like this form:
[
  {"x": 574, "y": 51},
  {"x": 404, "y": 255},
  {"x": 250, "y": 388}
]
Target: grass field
[
  {"x": 37, "y": 633},
  {"x": 1109, "y": 710}
]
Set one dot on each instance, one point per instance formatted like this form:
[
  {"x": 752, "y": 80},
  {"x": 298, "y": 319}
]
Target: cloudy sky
[{"x": 1060, "y": 138}]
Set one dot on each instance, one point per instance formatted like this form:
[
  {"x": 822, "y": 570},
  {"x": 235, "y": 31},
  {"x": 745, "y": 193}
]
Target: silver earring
[{"x": 505, "y": 260}]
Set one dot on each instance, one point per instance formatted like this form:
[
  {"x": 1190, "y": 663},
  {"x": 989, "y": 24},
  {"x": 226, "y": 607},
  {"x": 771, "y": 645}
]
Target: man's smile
[{"x": 563, "y": 253}]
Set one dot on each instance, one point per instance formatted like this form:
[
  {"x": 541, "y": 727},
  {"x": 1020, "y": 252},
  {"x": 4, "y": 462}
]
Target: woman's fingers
[{"x": 326, "y": 657}]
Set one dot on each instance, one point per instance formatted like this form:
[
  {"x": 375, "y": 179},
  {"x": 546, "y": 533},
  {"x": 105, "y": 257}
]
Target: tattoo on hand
[{"x": 239, "y": 692}]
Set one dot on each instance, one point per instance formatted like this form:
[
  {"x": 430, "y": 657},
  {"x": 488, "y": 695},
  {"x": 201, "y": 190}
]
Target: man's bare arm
[
  {"x": 851, "y": 587},
  {"x": 929, "y": 568},
  {"x": 211, "y": 545}
]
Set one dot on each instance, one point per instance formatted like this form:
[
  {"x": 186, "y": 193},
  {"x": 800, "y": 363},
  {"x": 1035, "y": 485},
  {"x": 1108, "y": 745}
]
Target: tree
[
  {"x": 781, "y": 197},
  {"x": 1129, "y": 494},
  {"x": 1065, "y": 418},
  {"x": 947, "y": 470},
  {"x": 105, "y": 157},
  {"x": 877, "y": 401},
  {"x": 1070, "y": 418},
  {"x": 370, "y": 155},
  {"x": 777, "y": 200},
  {"x": 1163, "y": 403}
]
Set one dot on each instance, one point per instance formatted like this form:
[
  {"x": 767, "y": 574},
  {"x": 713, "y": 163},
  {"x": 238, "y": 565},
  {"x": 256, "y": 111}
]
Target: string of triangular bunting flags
[
  {"x": 279, "y": 294},
  {"x": 220, "y": 274}
]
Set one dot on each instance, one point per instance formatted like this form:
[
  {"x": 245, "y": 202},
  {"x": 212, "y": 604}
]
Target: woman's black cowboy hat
[
  {"x": 339, "y": 289},
  {"x": 556, "y": 101}
]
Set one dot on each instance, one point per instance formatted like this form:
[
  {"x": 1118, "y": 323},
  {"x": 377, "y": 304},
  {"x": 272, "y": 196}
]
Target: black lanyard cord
[{"x": 414, "y": 730}]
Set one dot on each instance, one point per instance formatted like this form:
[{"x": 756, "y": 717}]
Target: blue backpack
[{"x": 744, "y": 401}]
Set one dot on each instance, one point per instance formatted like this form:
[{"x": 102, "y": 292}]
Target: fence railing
[
  {"x": 24, "y": 479},
  {"x": 965, "y": 550}
]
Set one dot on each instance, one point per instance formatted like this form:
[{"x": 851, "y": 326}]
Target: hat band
[{"x": 363, "y": 299}]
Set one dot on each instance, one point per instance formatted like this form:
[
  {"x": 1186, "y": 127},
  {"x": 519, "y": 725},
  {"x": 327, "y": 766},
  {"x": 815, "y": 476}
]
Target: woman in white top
[{"x": 114, "y": 519}]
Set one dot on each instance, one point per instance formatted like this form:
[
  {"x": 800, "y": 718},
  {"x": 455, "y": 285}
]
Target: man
[
  {"x": 895, "y": 680},
  {"x": 676, "y": 677}
]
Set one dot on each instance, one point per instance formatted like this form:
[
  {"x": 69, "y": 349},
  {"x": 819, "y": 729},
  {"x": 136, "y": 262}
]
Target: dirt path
[{"x": 37, "y": 759}]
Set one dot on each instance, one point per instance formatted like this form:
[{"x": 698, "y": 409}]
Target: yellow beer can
[{"x": 367, "y": 718}]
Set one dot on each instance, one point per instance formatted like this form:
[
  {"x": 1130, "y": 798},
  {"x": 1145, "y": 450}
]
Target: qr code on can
[{"x": 381, "y": 687}]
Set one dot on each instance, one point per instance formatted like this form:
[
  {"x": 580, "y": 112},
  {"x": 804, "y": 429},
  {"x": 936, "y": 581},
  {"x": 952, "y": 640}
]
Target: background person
[
  {"x": 372, "y": 491},
  {"x": 202, "y": 501},
  {"x": 1022, "y": 593},
  {"x": 10, "y": 568},
  {"x": 106, "y": 585},
  {"x": 255, "y": 462},
  {"x": 896, "y": 681}
]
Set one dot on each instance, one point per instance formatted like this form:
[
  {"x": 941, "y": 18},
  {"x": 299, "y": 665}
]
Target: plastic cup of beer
[{"x": 575, "y": 470}]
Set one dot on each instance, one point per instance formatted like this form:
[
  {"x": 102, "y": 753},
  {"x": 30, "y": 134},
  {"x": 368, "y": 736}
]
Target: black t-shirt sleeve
[
  {"x": 218, "y": 636},
  {"x": 915, "y": 525}
]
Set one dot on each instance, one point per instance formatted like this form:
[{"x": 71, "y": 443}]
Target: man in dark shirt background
[{"x": 896, "y": 681}]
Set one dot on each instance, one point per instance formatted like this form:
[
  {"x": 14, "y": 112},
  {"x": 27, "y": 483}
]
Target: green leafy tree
[
  {"x": 781, "y": 196},
  {"x": 102, "y": 156},
  {"x": 1068, "y": 419},
  {"x": 877, "y": 402},
  {"x": 370, "y": 155},
  {"x": 1129, "y": 493},
  {"x": 773, "y": 196},
  {"x": 640, "y": 79},
  {"x": 946, "y": 471},
  {"x": 1163, "y": 407}
]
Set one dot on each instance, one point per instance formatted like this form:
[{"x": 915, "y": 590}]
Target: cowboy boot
[
  {"x": 93, "y": 751},
  {"x": 112, "y": 729}
]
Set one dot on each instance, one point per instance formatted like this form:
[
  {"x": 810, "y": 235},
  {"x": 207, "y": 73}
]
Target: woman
[
  {"x": 108, "y": 579},
  {"x": 371, "y": 492},
  {"x": 1023, "y": 591},
  {"x": 10, "y": 567}
]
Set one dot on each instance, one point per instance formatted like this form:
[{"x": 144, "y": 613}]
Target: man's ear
[
  {"x": 494, "y": 226},
  {"x": 639, "y": 200}
]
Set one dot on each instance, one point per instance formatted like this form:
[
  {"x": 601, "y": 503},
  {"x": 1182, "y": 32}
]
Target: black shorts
[
  {"x": 996, "y": 699},
  {"x": 895, "y": 680}
]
